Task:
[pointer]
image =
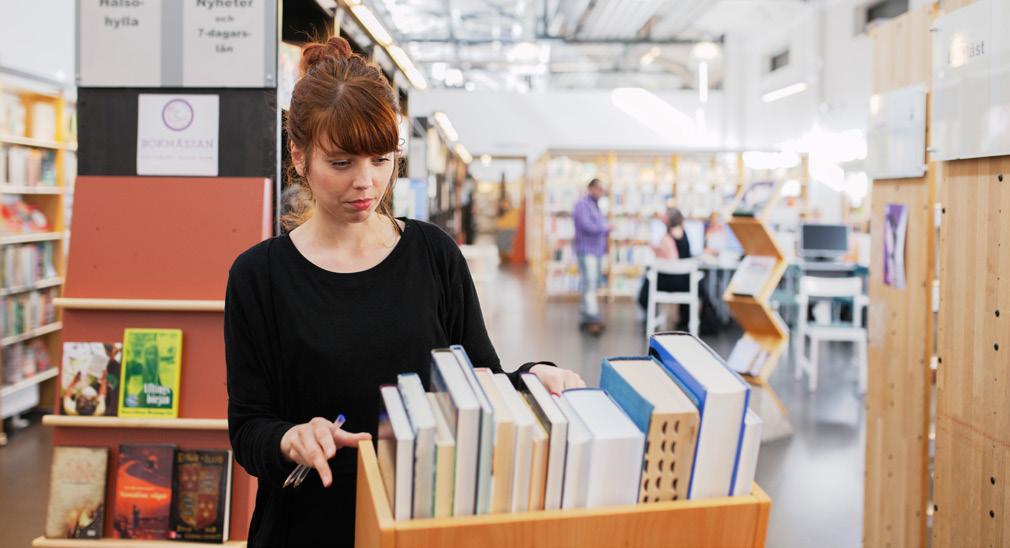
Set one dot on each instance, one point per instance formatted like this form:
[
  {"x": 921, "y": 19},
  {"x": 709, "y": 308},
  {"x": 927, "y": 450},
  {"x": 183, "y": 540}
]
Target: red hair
[{"x": 344, "y": 102}]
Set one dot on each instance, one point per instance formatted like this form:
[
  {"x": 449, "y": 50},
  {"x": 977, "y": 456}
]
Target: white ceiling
[{"x": 519, "y": 45}]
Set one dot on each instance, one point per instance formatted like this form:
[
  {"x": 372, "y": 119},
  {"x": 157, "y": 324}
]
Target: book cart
[
  {"x": 38, "y": 166},
  {"x": 153, "y": 252},
  {"x": 726, "y": 521},
  {"x": 758, "y": 320}
]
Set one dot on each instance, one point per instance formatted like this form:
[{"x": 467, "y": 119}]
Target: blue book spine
[{"x": 638, "y": 409}]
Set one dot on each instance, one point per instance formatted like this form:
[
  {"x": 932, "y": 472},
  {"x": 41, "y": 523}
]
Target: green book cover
[{"x": 151, "y": 365}]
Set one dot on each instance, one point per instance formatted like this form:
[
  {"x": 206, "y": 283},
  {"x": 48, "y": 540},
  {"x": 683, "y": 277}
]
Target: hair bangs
[{"x": 361, "y": 126}]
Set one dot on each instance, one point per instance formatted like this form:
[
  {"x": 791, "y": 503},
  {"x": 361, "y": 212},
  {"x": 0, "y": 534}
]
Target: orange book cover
[{"x": 143, "y": 491}]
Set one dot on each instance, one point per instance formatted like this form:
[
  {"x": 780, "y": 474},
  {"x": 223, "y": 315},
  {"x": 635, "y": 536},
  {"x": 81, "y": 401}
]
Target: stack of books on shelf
[
  {"x": 24, "y": 265},
  {"x": 27, "y": 166},
  {"x": 672, "y": 425},
  {"x": 20, "y": 217},
  {"x": 23, "y": 361},
  {"x": 24, "y": 312},
  {"x": 159, "y": 492}
]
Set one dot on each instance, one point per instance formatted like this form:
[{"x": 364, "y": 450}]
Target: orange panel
[
  {"x": 202, "y": 383},
  {"x": 243, "y": 486},
  {"x": 162, "y": 237}
]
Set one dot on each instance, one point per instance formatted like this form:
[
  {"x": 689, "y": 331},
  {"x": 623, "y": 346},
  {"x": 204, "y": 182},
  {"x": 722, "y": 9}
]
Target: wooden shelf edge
[
  {"x": 29, "y": 238},
  {"x": 28, "y": 335},
  {"x": 31, "y": 142},
  {"x": 45, "y": 283},
  {"x": 43, "y": 542},
  {"x": 38, "y": 190},
  {"x": 37, "y": 378},
  {"x": 161, "y": 305},
  {"x": 130, "y": 422}
]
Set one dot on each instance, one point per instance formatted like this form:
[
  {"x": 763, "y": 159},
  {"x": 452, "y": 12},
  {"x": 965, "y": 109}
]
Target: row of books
[
  {"x": 24, "y": 360},
  {"x": 672, "y": 425},
  {"x": 20, "y": 217},
  {"x": 160, "y": 492},
  {"x": 631, "y": 254},
  {"x": 23, "y": 265},
  {"x": 27, "y": 166},
  {"x": 27, "y": 311},
  {"x": 94, "y": 383},
  {"x": 14, "y": 117}
]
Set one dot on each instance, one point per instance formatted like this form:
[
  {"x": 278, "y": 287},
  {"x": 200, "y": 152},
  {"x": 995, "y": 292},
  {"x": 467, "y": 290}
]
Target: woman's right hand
[{"x": 314, "y": 443}]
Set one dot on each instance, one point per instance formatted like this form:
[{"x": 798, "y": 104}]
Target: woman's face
[{"x": 347, "y": 187}]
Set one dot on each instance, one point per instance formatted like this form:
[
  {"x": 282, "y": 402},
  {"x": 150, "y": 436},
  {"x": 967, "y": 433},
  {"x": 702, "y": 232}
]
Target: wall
[
  {"x": 38, "y": 37},
  {"x": 528, "y": 124}
]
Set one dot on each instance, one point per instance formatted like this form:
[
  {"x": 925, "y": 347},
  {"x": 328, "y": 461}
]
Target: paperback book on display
[
  {"x": 394, "y": 449},
  {"x": 89, "y": 379},
  {"x": 422, "y": 424},
  {"x": 445, "y": 461},
  {"x": 77, "y": 493},
  {"x": 463, "y": 414},
  {"x": 747, "y": 357},
  {"x": 152, "y": 360},
  {"x": 757, "y": 199},
  {"x": 486, "y": 442},
  {"x": 504, "y": 452},
  {"x": 201, "y": 495},
  {"x": 143, "y": 491},
  {"x": 752, "y": 275},
  {"x": 555, "y": 425}
]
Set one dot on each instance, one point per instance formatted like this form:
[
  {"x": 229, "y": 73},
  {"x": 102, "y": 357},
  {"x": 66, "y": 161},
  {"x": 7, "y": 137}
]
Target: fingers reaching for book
[
  {"x": 556, "y": 379},
  {"x": 348, "y": 439}
]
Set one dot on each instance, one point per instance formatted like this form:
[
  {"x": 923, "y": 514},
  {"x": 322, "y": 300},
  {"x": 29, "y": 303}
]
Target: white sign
[
  {"x": 177, "y": 43},
  {"x": 119, "y": 42},
  {"x": 896, "y": 143},
  {"x": 970, "y": 114},
  {"x": 177, "y": 134},
  {"x": 223, "y": 42}
]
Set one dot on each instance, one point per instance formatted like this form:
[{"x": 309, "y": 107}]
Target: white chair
[
  {"x": 814, "y": 288},
  {"x": 689, "y": 267}
]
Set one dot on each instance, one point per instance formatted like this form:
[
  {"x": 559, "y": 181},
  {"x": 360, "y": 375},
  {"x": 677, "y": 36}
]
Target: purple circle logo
[{"x": 177, "y": 114}]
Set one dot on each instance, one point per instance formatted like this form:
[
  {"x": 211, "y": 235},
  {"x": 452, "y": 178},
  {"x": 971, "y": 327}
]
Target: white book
[
  {"x": 546, "y": 409},
  {"x": 573, "y": 494},
  {"x": 485, "y": 442},
  {"x": 523, "y": 462},
  {"x": 395, "y": 452},
  {"x": 752, "y": 274},
  {"x": 445, "y": 461},
  {"x": 749, "y": 448},
  {"x": 459, "y": 405},
  {"x": 616, "y": 448},
  {"x": 744, "y": 355},
  {"x": 722, "y": 398},
  {"x": 422, "y": 421},
  {"x": 503, "y": 460}
]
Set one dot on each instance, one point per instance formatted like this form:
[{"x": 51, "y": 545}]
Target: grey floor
[{"x": 814, "y": 478}]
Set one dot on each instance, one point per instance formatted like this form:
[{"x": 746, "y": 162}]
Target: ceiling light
[
  {"x": 705, "y": 51},
  {"x": 485, "y": 159},
  {"x": 470, "y": 86},
  {"x": 372, "y": 24},
  {"x": 464, "y": 154},
  {"x": 780, "y": 93},
  {"x": 438, "y": 71},
  {"x": 524, "y": 51},
  {"x": 454, "y": 77},
  {"x": 650, "y": 56},
  {"x": 443, "y": 122},
  {"x": 401, "y": 58}
]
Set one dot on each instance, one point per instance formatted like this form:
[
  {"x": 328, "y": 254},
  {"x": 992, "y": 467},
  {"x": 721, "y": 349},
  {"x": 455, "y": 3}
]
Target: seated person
[{"x": 672, "y": 246}]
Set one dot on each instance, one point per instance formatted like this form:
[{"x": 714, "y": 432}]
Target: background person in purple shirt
[{"x": 591, "y": 231}]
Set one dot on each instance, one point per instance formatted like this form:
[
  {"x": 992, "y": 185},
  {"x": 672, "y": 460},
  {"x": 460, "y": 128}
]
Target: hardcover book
[
  {"x": 151, "y": 363},
  {"x": 201, "y": 493},
  {"x": 77, "y": 493},
  {"x": 90, "y": 378},
  {"x": 143, "y": 491}
]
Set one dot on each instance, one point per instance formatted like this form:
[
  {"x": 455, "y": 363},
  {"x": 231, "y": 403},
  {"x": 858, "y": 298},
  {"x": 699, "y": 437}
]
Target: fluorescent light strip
[
  {"x": 703, "y": 82},
  {"x": 372, "y": 24},
  {"x": 464, "y": 154},
  {"x": 401, "y": 58},
  {"x": 443, "y": 122},
  {"x": 781, "y": 93}
]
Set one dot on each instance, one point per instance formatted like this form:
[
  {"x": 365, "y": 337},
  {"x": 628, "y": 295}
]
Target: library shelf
[
  {"x": 40, "y": 190},
  {"x": 159, "y": 305},
  {"x": 40, "y": 284},
  {"x": 123, "y": 422},
  {"x": 37, "y": 378},
  {"x": 31, "y": 334},
  {"x": 31, "y": 237}
]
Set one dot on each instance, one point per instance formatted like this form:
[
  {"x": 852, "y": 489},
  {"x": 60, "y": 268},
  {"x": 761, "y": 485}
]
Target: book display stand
[
  {"x": 726, "y": 521},
  {"x": 154, "y": 252},
  {"x": 758, "y": 319}
]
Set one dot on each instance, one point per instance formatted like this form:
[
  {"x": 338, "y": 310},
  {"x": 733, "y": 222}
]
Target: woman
[
  {"x": 672, "y": 246},
  {"x": 317, "y": 319}
]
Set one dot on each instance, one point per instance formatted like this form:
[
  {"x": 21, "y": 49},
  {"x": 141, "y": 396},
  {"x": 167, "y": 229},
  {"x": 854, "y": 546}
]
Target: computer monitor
[{"x": 823, "y": 241}]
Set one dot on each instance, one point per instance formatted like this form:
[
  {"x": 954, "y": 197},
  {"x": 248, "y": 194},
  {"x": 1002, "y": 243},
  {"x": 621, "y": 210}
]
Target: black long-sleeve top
[{"x": 304, "y": 342}]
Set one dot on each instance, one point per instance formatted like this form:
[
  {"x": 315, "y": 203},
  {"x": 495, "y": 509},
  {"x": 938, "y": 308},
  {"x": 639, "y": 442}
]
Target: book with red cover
[
  {"x": 201, "y": 490},
  {"x": 143, "y": 491}
]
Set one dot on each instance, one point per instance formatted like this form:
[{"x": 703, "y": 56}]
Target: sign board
[
  {"x": 177, "y": 134},
  {"x": 897, "y": 135},
  {"x": 177, "y": 43},
  {"x": 970, "y": 114}
]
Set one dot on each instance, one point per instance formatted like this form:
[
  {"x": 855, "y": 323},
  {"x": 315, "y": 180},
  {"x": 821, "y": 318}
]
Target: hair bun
[{"x": 334, "y": 49}]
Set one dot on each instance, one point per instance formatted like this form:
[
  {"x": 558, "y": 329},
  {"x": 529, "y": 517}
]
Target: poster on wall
[
  {"x": 896, "y": 140},
  {"x": 177, "y": 134},
  {"x": 970, "y": 105},
  {"x": 895, "y": 229},
  {"x": 176, "y": 43}
]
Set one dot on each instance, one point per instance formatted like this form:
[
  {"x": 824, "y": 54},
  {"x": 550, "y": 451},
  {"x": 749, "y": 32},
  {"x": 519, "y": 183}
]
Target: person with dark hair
[
  {"x": 671, "y": 247},
  {"x": 591, "y": 230},
  {"x": 316, "y": 319}
]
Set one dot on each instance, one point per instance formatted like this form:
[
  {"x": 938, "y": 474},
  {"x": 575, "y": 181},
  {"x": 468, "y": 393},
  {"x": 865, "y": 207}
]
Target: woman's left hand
[{"x": 556, "y": 379}]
